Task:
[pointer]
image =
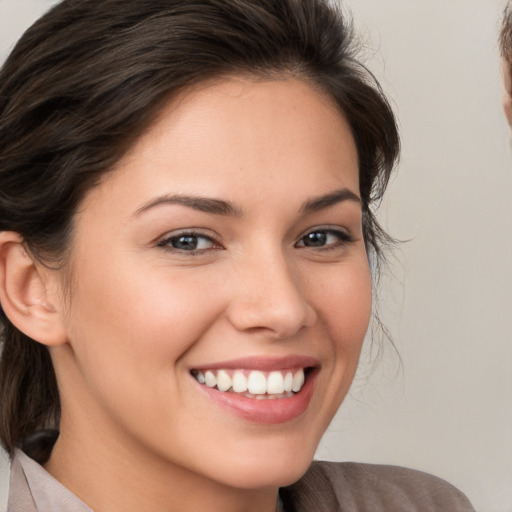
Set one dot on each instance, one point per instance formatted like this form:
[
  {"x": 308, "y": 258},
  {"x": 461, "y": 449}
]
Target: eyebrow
[
  {"x": 227, "y": 208},
  {"x": 203, "y": 204},
  {"x": 321, "y": 202}
]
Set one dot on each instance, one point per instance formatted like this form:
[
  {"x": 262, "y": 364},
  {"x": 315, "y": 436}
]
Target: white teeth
[
  {"x": 257, "y": 383},
  {"x": 223, "y": 380},
  {"x": 210, "y": 379},
  {"x": 298, "y": 381},
  {"x": 239, "y": 382},
  {"x": 288, "y": 382},
  {"x": 275, "y": 383}
]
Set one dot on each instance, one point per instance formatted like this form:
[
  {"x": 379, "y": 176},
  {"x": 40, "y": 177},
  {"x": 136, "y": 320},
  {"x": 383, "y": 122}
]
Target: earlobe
[{"x": 24, "y": 292}]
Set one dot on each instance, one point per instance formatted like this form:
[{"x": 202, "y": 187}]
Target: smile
[{"x": 254, "y": 383}]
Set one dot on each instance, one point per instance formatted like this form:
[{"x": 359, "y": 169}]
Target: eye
[
  {"x": 325, "y": 238},
  {"x": 188, "y": 242}
]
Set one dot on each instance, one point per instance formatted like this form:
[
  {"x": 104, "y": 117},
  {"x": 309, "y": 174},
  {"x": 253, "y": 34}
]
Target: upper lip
[{"x": 262, "y": 363}]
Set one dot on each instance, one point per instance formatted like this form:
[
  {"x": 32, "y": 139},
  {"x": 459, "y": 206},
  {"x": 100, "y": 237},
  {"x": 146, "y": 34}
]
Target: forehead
[
  {"x": 222, "y": 138},
  {"x": 232, "y": 100}
]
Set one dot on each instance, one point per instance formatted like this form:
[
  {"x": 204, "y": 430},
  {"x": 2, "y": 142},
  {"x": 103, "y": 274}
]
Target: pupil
[
  {"x": 185, "y": 242},
  {"x": 316, "y": 239}
]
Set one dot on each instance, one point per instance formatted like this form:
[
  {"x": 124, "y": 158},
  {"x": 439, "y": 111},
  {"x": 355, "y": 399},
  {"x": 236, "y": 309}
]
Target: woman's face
[{"x": 225, "y": 251}]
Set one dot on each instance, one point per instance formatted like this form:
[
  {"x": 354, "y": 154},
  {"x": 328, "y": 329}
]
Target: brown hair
[
  {"x": 505, "y": 39},
  {"x": 89, "y": 77}
]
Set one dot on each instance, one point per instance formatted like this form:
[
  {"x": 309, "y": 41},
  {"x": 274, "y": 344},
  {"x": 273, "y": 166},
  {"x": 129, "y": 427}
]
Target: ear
[{"x": 28, "y": 292}]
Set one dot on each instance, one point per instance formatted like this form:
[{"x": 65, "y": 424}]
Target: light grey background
[{"x": 449, "y": 305}]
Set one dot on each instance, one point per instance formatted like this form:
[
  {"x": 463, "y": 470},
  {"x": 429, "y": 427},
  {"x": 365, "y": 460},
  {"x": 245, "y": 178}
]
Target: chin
[
  {"x": 272, "y": 476},
  {"x": 276, "y": 468}
]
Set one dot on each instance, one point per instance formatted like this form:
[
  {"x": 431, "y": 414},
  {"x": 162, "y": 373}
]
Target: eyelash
[{"x": 343, "y": 239}]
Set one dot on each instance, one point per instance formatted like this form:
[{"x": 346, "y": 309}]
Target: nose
[{"x": 270, "y": 297}]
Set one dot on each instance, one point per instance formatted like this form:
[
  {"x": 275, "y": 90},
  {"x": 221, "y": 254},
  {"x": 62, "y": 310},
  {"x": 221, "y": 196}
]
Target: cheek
[
  {"x": 133, "y": 321},
  {"x": 129, "y": 330},
  {"x": 347, "y": 304}
]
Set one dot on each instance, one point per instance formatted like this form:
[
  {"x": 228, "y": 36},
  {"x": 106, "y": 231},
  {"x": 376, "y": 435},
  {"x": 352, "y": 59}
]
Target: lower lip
[{"x": 265, "y": 411}]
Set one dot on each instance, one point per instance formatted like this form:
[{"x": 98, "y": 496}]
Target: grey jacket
[
  {"x": 354, "y": 487},
  {"x": 326, "y": 487}
]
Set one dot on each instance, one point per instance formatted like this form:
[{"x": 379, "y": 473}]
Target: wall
[{"x": 449, "y": 409}]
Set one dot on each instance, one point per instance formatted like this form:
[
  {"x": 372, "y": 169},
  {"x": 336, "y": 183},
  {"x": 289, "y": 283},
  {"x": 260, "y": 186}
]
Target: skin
[
  {"x": 507, "y": 91},
  {"x": 138, "y": 432}
]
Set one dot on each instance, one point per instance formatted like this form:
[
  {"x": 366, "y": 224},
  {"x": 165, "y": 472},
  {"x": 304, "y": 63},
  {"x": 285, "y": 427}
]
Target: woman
[{"x": 185, "y": 228}]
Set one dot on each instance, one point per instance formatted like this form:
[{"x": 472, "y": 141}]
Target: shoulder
[
  {"x": 33, "y": 489},
  {"x": 19, "y": 497},
  {"x": 354, "y": 487},
  {"x": 5, "y": 469}
]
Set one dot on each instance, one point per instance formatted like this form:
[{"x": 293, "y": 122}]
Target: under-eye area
[{"x": 255, "y": 383}]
